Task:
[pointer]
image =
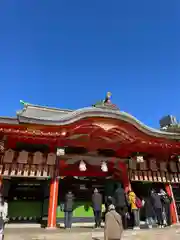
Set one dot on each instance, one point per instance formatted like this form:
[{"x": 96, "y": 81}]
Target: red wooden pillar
[
  {"x": 53, "y": 200},
  {"x": 173, "y": 210}
]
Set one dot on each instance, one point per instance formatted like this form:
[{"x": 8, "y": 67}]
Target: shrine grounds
[{"x": 171, "y": 233}]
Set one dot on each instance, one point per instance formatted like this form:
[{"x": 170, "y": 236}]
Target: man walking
[
  {"x": 166, "y": 202},
  {"x": 97, "y": 207},
  {"x": 157, "y": 204},
  {"x": 121, "y": 204},
  {"x": 68, "y": 209}
]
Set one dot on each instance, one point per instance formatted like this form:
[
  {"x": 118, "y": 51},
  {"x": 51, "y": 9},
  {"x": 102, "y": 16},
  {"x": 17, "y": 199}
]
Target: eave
[{"x": 71, "y": 117}]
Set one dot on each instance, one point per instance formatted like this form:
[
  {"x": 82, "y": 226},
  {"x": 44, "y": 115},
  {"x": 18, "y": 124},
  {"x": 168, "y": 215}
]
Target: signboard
[
  {"x": 13, "y": 170},
  {"x": 154, "y": 171},
  {"x": 19, "y": 169},
  {"x": 6, "y": 170},
  {"x": 39, "y": 170},
  {"x": 32, "y": 170}
]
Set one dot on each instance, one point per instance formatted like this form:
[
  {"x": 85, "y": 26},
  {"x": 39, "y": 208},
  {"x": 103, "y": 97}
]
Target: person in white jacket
[{"x": 3, "y": 215}]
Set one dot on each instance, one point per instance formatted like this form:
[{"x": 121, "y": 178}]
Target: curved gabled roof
[{"x": 50, "y": 116}]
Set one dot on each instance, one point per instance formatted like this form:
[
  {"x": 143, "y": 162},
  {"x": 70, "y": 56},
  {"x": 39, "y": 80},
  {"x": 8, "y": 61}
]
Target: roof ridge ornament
[
  {"x": 24, "y": 103},
  {"x": 108, "y": 97},
  {"x": 106, "y": 103}
]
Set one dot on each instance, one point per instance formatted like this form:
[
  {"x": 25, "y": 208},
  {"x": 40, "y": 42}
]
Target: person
[
  {"x": 3, "y": 216},
  {"x": 68, "y": 209},
  {"x": 108, "y": 201},
  {"x": 135, "y": 209},
  {"x": 113, "y": 227},
  {"x": 149, "y": 211},
  {"x": 157, "y": 205},
  {"x": 97, "y": 207},
  {"x": 166, "y": 201},
  {"x": 121, "y": 204}
]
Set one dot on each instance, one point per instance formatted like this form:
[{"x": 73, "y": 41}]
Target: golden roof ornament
[
  {"x": 108, "y": 97},
  {"x": 106, "y": 103}
]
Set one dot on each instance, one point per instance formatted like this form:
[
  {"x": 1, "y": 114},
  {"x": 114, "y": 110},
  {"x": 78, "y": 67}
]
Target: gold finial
[
  {"x": 108, "y": 97},
  {"x": 109, "y": 94}
]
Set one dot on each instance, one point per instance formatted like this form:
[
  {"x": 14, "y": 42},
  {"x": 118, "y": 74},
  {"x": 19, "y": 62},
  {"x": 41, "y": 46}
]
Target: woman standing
[{"x": 135, "y": 203}]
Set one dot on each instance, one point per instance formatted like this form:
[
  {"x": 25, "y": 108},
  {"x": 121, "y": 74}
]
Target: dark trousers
[
  {"x": 159, "y": 215},
  {"x": 1, "y": 229},
  {"x": 97, "y": 218},
  {"x": 122, "y": 212},
  {"x": 168, "y": 214},
  {"x": 68, "y": 219}
]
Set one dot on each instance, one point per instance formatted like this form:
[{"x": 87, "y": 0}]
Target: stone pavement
[{"x": 172, "y": 233}]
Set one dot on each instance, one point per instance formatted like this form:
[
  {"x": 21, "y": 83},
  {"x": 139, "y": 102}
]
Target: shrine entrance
[
  {"x": 82, "y": 188},
  {"x": 142, "y": 189}
]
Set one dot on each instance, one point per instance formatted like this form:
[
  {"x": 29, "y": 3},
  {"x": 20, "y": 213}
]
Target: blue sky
[{"x": 68, "y": 54}]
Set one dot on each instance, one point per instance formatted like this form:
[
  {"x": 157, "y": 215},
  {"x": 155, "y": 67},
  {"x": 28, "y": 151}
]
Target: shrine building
[{"x": 47, "y": 151}]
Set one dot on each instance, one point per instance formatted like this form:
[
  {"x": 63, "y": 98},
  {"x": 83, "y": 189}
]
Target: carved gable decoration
[
  {"x": 153, "y": 164},
  {"x": 22, "y": 157},
  {"x": 38, "y": 158},
  {"x": 132, "y": 164},
  {"x": 163, "y": 167},
  {"x": 8, "y": 156},
  {"x": 172, "y": 166},
  {"x": 51, "y": 159}
]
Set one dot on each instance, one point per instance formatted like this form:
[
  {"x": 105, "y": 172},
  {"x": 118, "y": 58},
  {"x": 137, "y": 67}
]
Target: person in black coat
[
  {"x": 68, "y": 209},
  {"x": 97, "y": 207},
  {"x": 149, "y": 211},
  {"x": 157, "y": 205},
  {"x": 121, "y": 204}
]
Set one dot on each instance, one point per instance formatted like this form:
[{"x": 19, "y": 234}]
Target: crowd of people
[
  {"x": 120, "y": 209},
  {"x": 123, "y": 208}
]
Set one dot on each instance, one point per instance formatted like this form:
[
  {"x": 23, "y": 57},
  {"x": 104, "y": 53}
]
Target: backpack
[{"x": 138, "y": 203}]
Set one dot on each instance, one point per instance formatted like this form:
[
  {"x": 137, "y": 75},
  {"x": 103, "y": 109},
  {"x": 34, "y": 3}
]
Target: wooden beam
[{"x": 89, "y": 157}]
